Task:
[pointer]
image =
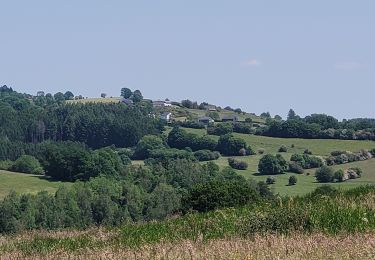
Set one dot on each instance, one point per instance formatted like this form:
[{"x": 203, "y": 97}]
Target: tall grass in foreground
[{"x": 325, "y": 211}]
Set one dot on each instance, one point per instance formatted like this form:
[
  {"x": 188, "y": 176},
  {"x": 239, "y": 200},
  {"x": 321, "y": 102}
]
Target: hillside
[
  {"x": 180, "y": 113},
  {"x": 25, "y": 183},
  {"x": 306, "y": 181}
]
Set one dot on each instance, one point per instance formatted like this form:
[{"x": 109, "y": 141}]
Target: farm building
[
  {"x": 230, "y": 118},
  {"x": 161, "y": 103},
  {"x": 167, "y": 116},
  {"x": 206, "y": 120},
  {"x": 127, "y": 101}
]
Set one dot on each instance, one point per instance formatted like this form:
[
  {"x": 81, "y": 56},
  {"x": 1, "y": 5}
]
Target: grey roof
[
  {"x": 231, "y": 117},
  {"x": 127, "y": 101},
  {"x": 205, "y": 118}
]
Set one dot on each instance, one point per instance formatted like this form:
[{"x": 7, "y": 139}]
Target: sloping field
[
  {"x": 25, "y": 183},
  {"x": 305, "y": 182},
  {"x": 317, "y": 146}
]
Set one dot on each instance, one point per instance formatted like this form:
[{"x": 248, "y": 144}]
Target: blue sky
[{"x": 313, "y": 56}]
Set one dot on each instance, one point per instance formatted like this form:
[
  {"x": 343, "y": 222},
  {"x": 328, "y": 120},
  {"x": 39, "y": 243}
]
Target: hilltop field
[{"x": 180, "y": 113}]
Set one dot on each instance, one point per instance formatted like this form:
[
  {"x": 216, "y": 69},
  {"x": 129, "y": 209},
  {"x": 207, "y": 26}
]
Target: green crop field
[
  {"x": 25, "y": 183},
  {"x": 305, "y": 182}
]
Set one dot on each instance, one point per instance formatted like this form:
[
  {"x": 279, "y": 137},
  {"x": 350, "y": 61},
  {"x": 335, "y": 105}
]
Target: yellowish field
[
  {"x": 96, "y": 100},
  {"x": 297, "y": 246}
]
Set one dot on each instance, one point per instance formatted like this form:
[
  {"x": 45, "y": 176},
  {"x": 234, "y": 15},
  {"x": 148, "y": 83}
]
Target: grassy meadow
[
  {"x": 305, "y": 182},
  {"x": 25, "y": 183}
]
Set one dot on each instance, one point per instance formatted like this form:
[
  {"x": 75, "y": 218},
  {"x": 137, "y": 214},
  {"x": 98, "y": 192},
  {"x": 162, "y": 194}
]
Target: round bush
[
  {"x": 270, "y": 180},
  {"x": 324, "y": 174},
  {"x": 292, "y": 180},
  {"x": 271, "y": 164},
  {"x": 238, "y": 165},
  {"x": 339, "y": 175},
  {"x": 296, "y": 168},
  {"x": 27, "y": 164},
  {"x": 283, "y": 149}
]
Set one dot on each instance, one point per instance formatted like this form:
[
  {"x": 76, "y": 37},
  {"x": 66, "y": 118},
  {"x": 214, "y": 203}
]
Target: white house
[
  {"x": 161, "y": 103},
  {"x": 167, "y": 116}
]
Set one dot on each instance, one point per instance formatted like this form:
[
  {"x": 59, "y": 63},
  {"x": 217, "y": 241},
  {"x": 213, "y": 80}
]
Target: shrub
[
  {"x": 339, "y": 175},
  {"x": 324, "y": 174},
  {"x": 261, "y": 151},
  {"x": 163, "y": 155},
  {"x": 296, "y": 168},
  {"x": 242, "y": 152},
  {"x": 292, "y": 180},
  {"x": 270, "y": 180},
  {"x": 307, "y": 161},
  {"x": 179, "y": 138},
  {"x": 325, "y": 190},
  {"x": 243, "y": 128},
  {"x": 354, "y": 173},
  {"x": 145, "y": 145},
  {"x": 26, "y": 164},
  {"x": 231, "y": 146},
  {"x": 283, "y": 149},
  {"x": 238, "y": 165},
  {"x": 220, "y": 129},
  {"x": 220, "y": 194},
  {"x": 6, "y": 165},
  {"x": 206, "y": 155},
  {"x": 271, "y": 164},
  {"x": 307, "y": 151},
  {"x": 373, "y": 152},
  {"x": 337, "y": 153}
]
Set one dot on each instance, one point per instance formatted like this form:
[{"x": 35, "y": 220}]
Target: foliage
[
  {"x": 236, "y": 164},
  {"x": 270, "y": 180},
  {"x": 214, "y": 115},
  {"x": 126, "y": 92},
  {"x": 292, "y": 180},
  {"x": 295, "y": 167},
  {"x": 272, "y": 164},
  {"x": 137, "y": 96},
  {"x": 145, "y": 145},
  {"x": 220, "y": 194},
  {"x": 190, "y": 124},
  {"x": 206, "y": 155},
  {"x": 220, "y": 129},
  {"x": 339, "y": 175},
  {"x": 230, "y": 145},
  {"x": 307, "y": 161},
  {"x": 283, "y": 149},
  {"x": 179, "y": 138},
  {"x": 324, "y": 174},
  {"x": 6, "y": 165},
  {"x": 50, "y": 118},
  {"x": 27, "y": 164}
]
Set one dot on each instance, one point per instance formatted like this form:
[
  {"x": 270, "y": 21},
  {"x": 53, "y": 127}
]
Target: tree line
[
  {"x": 137, "y": 193},
  {"x": 23, "y": 119}
]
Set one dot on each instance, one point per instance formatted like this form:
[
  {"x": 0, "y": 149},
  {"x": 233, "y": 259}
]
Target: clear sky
[{"x": 313, "y": 56}]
